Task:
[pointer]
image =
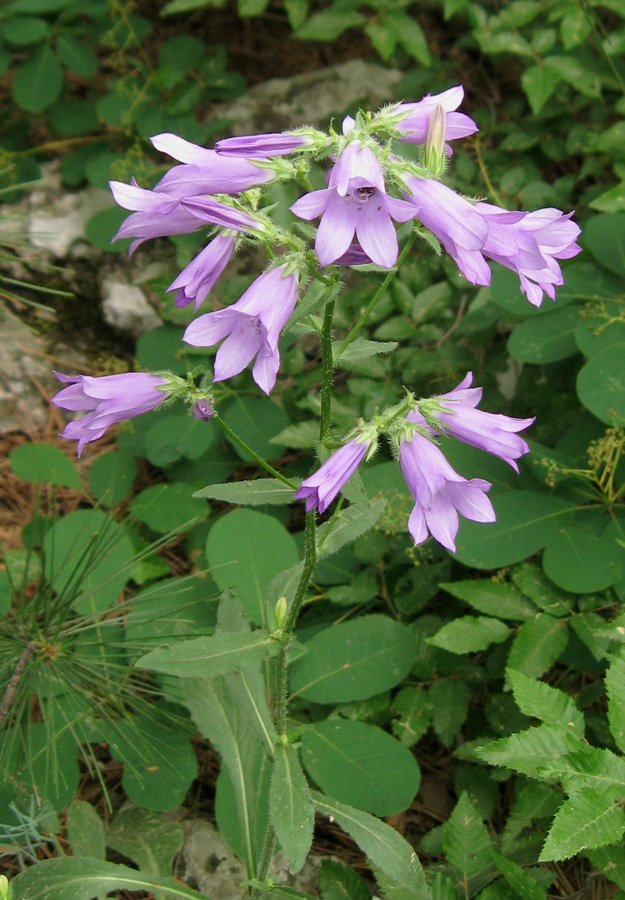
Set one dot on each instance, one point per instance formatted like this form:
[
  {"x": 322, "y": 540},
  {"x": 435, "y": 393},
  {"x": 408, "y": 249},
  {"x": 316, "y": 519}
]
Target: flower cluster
[
  {"x": 370, "y": 189},
  {"x": 439, "y": 492}
]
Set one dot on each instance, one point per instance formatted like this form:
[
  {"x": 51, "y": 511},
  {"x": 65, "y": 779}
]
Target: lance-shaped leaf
[
  {"x": 584, "y": 820},
  {"x": 347, "y": 526},
  {"x": 384, "y": 846},
  {"x": 521, "y": 882},
  {"x": 466, "y": 841},
  {"x": 83, "y": 877},
  {"x": 290, "y": 807},
  {"x": 615, "y": 684},
  {"x": 205, "y": 657},
  {"x": 260, "y": 492},
  {"x": 551, "y": 706},
  {"x": 529, "y": 751}
]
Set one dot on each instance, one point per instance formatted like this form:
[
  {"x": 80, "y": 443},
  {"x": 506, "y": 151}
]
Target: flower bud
[
  {"x": 280, "y": 611},
  {"x": 434, "y": 148},
  {"x": 5, "y": 888}
]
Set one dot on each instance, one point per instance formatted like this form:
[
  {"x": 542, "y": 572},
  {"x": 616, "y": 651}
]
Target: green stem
[
  {"x": 353, "y": 334},
  {"x": 261, "y": 462},
  {"x": 326, "y": 372}
]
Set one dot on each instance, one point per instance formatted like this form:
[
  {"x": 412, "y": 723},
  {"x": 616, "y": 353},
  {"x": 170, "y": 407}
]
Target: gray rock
[
  {"x": 125, "y": 306},
  {"x": 219, "y": 874},
  {"x": 310, "y": 99}
]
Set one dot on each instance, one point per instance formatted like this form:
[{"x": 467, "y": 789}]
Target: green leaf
[
  {"x": 449, "y": 701},
  {"x": 547, "y": 338},
  {"x": 604, "y": 236},
  {"x": 102, "y": 227},
  {"x": 328, "y": 25},
  {"x": 610, "y": 861},
  {"x": 353, "y": 660},
  {"x": 601, "y": 384},
  {"x": 259, "y": 492},
  {"x": 584, "y": 820},
  {"x": 602, "y": 326},
  {"x": 87, "y": 557},
  {"x": 526, "y": 522},
  {"x": 581, "y": 562},
  {"x": 248, "y": 8},
  {"x": 384, "y": 846},
  {"x": 239, "y": 823},
  {"x": 409, "y": 34},
  {"x": 470, "y": 634},
  {"x": 413, "y": 707},
  {"x": 532, "y": 581},
  {"x": 296, "y": 11},
  {"x": 533, "y": 801},
  {"x": 382, "y": 37},
  {"x": 168, "y": 507},
  {"x": 246, "y": 549},
  {"x": 256, "y": 422},
  {"x": 519, "y": 880},
  {"x": 148, "y": 838},
  {"x": 38, "y": 80},
  {"x": 346, "y": 526},
  {"x": 303, "y": 436},
  {"x": 615, "y": 685},
  {"x": 77, "y": 56},
  {"x": 279, "y": 890},
  {"x": 24, "y": 30},
  {"x": 82, "y": 878},
  {"x": 111, "y": 477},
  {"x": 361, "y": 765},
  {"x": 466, "y": 841},
  {"x": 85, "y": 830},
  {"x": 492, "y": 597},
  {"x": 551, "y": 706},
  {"x": 174, "y": 7},
  {"x": 44, "y": 463},
  {"x": 340, "y": 882},
  {"x": 290, "y": 807},
  {"x": 174, "y": 437},
  {"x": 539, "y": 83},
  {"x": 530, "y": 751},
  {"x": 538, "y": 644},
  {"x": 592, "y": 768},
  {"x": 572, "y": 70},
  {"x": 361, "y": 349},
  {"x": 205, "y": 657}
]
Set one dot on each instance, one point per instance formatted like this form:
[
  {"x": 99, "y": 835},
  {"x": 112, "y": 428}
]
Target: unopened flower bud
[
  {"x": 280, "y": 611},
  {"x": 5, "y": 888},
  {"x": 434, "y": 149},
  {"x": 202, "y": 409}
]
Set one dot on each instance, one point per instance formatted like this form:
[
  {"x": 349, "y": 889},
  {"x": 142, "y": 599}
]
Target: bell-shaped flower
[
  {"x": 198, "y": 278},
  {"x": 413, "y": 119},
  {"x": 251, "y": 328},
  {"x": 155, "y": 215},
  {"x": 106, "y": 400},
  {"x": 355, "y": 202},
  {"x": 527, "y": 243},
  {"x": 205, "y": 171},
  {"x": 439, "y": 492},
  {"x": 496, "y": 434},
  {"x": 260, "y": 146},
  {"x": 320, "y": 489}
]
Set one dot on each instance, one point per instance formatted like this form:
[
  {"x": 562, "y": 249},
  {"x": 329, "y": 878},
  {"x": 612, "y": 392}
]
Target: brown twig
[{"x": 9, "y": 694}]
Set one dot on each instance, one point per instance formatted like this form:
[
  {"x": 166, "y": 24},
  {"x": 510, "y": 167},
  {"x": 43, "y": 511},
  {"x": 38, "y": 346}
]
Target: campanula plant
[{"x": 371, "y": 188}]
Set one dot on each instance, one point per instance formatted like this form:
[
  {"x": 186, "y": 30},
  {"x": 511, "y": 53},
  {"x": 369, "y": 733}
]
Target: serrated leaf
[
  {"x": 529, "y": 751},
  {"x": 466, "y": 841},
  {"x": 290, "y": 807},
  {"x": 470, "y": 634},
  {"x": 302, "y": 436},
  {"x": 498, "y": 599},
  {"x": 384, "y": 846},
  {"x": 249, "y": 493},
  {"x": 340, "y": 882},
  {"x": 205, "y": 657},
  {"x": 532, "y": 581},
  {"x": 362, "y": 349},
  {"x": 551, "y": 706},
  {"x": 149, "y": 839},
  {"x": 538, "y": 644},
  {"x": 615, "y": 685},
  {"x": 346, "y": 526},
  {"x": 413, "y": 706},
  {"x": 584, "y": 820},
  {"x": 519, "y": 880},
  {"x": 591, "y": 767},
  {"x": 450, "y": 704},
  {"x": 533, "y": 801},
  {"x": 329, "y": 24},
  {"x": 85, "y": 830},
  {"x": 610, "y": 861}
]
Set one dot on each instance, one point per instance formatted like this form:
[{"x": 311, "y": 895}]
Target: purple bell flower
[
  {"x": 414, "y": 126},
  {"x": 251, "y": 328},
  {"x": 202, "y": 409},
  {"x": 205, "y": 171},
  {"x": 260, "y": 146},
  {"x": 197, "y": 280},
  {"x": 320, "y": 489},
  {"x": 496, "y": 434},
  {"x": 527, "y": 243},
  {"x": 109, "y": 399},
  {"x": 440, "y": 493},
  {"x": 355, "y": 202},
  {"x": 155, "y": 215}
]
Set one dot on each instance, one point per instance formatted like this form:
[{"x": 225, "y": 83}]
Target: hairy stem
[
  {"x": 261, "y": 462},
  {"x": 326, "y": 372}
]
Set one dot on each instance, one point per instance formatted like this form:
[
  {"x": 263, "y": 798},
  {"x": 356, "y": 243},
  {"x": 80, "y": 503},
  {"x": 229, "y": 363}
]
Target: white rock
[
  {"x": 125, "y": 307},
  {"x": 58, "y": 226}
]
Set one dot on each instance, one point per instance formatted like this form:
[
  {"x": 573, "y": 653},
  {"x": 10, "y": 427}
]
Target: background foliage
[{"x": 505, "y": 660}]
